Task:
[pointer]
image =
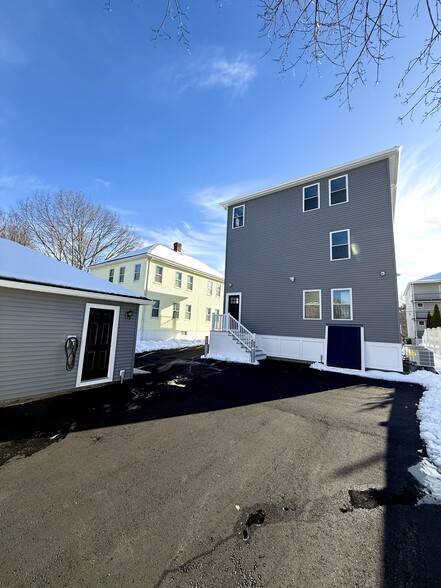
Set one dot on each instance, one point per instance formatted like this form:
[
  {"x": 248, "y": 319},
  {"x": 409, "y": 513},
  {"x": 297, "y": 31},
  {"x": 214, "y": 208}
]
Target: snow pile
[
  {"x": 429, "y": 478},
  {"x": 144, "y": 346},
  {"x": 229, "y": 357}
]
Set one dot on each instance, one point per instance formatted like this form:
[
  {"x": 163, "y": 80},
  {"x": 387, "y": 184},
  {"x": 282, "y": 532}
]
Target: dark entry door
[
  {"x": 234, "y": 305},
  {"x": 344, "y": 346},
  {"x": 97, "y": 350}
]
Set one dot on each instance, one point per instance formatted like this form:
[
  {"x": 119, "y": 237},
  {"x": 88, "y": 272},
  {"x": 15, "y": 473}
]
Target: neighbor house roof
[
  {"x": 161, "y": 252},
  {"x": 24, "y": 268},
  {"x": 433, "y": 278},
  {"x": 393, "y": 155}
]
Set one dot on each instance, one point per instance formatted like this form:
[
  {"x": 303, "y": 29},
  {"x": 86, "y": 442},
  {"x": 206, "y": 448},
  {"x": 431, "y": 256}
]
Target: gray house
[
  {"x": 60, "y": 328},
  {"x": 310, "y": 268},
  {"x": 421, "y": 297}
]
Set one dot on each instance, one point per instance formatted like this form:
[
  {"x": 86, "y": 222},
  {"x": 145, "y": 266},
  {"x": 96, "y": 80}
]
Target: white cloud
[
  {"x": 13, "y": 187},
  {"x": 104, "y": 183}
]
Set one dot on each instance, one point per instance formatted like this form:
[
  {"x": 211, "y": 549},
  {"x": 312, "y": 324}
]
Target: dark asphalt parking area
[{"x": 208, "y": 474}]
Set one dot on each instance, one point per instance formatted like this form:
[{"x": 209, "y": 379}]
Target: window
[
  {"x": 188, "y": 312},
  {"x": 122, "y": 271},
  {"x": 238, "y": 216},
  {"x": 111, "y": 274},
  {"x": 342, "y": 304},
  {"x": 311, "y": 197},
  {"x": 421, "y": 323},
  {"x": 209, "y": 288},
  {"x": 175, "y": 310},
  {"x": 340, "y": 245},
  {"x": 178, "y": 279},
  {"x": 312, "y": 304},
  {"x": 189, "y": 282},
  {"x": 137, "y": 273},
  {"x": 420, "y": 305},
  {"x": 208, "y": 314},
  {"x": 338, "y": 190},
  {"x": 155, "y": 309},
  {"x": 218, "y": 290},
  {"x": 158, "y": 274}
]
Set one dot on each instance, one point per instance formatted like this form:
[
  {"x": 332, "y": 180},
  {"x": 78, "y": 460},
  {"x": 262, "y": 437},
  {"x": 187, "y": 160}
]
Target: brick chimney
[{"x": 177, "y": 247}]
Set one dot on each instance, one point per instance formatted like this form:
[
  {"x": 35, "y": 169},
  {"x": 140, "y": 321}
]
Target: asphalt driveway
[{"x": 212, "y": 475}]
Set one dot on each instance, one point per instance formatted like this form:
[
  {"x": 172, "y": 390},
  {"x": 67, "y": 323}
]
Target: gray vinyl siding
[
  {"x": 34, "y": 327},
  {"x": 279, "y": 240}
]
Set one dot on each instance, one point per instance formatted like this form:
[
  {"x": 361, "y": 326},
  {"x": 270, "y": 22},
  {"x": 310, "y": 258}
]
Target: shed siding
[
  {"x": 279, "y": 240},
  {"x": 34, "y": 327}
]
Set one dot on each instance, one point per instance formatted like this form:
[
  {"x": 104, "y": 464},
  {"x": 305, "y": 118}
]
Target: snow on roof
[
  {"x": 22, "y": 264},
  {"x": 167, "y": 254},
  {"x": 432, "y": 278}
]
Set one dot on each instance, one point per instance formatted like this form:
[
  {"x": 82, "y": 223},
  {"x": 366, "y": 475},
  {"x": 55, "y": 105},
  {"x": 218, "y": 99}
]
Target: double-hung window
[
  {"x": 208, "y": 314},
  {"x": 122, "y": 271},
  {"x": 158, "y": 274},
  {"x": 311, "y": 197},
  {"x": 175, "y": 310},
  {"x": 338, "y": 190},
  {"x": 155, "y": 309},
  {"x": 340, "y": 243},
  {"x": 188, "y": 312},
  {"x": 111, "y": 275},
  {"x": 342, "y": 304},
  {"x": 178, "y": 279},
  {"x": 137, "y": 272},
  {"x": 218, "y": 290},
  {"x": 209, "y": 288},
  {"x": 312, "y": 304},
  {"x": 190, "y": 283},
  {"x": 238, "y": 216}
]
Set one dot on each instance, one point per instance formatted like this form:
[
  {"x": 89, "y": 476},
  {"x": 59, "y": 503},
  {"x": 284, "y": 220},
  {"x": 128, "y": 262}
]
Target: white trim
[
  {"x": 349, "y": 244},
  {"x": 318, "y": 197},
  {"x": 72, "y": 292},
  {"x": 320, "y": 306},
  {"x": 243, "y": 217},
  {"x": 240, "y": 302},
  {"x": 347, "y": 189},
  {"x": 109, "y": 378},
  {"x": 332, "y": 304}
]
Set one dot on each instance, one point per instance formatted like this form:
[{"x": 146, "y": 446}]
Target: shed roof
[{"x": 36, "y": 271}]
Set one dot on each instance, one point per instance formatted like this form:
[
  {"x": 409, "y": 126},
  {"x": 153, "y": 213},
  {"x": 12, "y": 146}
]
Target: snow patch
[
  {"x": 229, "y": 357},
  {"x": 144, "y": 346}
]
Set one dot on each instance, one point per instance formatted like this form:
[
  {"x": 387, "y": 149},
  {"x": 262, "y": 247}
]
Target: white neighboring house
[
  {"x": 186, "y": 293},
  {"x": 421, "y": 297}
]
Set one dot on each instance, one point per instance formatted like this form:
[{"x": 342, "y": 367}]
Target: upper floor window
[
  {"x": 338, "y": 190},
  {"x": 175, "y": 310},
  {"x": 178, "y": 279},
  {"x": 340, "y": 243},
  {"x": 238, "y": 216},
  {"x": 111, "y": 275},
  {"x": 155, "y": 309},
  {"x": 218, "y": 290},
  {"x": 311, "y": 197},
  {"x": 137, "y": 273},
  {"x": 312, "y": 304},
  {"x": 342, "y": 304},
  {"x": 158, "y": 274},
  {"x": 208, "y": 314},
  {"x": 190, "y": 280},
  {"x": 122, "y": 271},
  {"x": 209, "y": 288},
  {"x": 188, "y": 312}
]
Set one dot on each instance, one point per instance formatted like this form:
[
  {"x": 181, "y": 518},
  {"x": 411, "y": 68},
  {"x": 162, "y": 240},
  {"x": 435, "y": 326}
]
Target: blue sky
[{"x": 161, "y": 134}]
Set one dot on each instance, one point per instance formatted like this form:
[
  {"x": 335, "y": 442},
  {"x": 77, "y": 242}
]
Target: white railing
[{"x": 228, "y": 324}]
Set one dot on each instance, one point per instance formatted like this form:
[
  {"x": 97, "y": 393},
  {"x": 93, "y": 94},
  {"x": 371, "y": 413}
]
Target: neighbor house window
[
  {"x": 208, "y": 314},
  {"x": 188, "y": 312},
  {"x": 338, "y": 190},
  {"x": 189, "y": 282},
  {"x": 137, "y": 273},
  {"x": 421, "y": 323},
  {"x": 155, "y": 309},
  {"x": 311, "y": 197},
  {"x": 340, "y": 243},
  {"x": 312, "y": 304},
  {"x": 175, "y": 310},
  {"x": 178, "y": 279},
  {"x": 342, "y": 304},
  {"x": 218, "y": 290},
  {"x": 158, "y": 274},
  {"x": 209, "y": 288},
  {"x": 238, "y": 216},
  {"x": 420, "y": 305},
  {"x": 122, "y": 271},
  {"x": 111, "y": 275}
]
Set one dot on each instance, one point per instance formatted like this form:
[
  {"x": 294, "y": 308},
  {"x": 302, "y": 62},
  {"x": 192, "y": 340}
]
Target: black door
[
  {"x": 234, "y": 305},
  {"x": 97, "y": 350},
  {"x": 344, "y": 346}
]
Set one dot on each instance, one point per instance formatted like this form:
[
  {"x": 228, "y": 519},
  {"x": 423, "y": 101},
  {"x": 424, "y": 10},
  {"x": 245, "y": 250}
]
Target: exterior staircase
[{"x": 239, "y": 334}]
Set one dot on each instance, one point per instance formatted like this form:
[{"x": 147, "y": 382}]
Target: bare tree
[
  {"x": 69, "y": 228},
  {"x": 12, "y": 228}
]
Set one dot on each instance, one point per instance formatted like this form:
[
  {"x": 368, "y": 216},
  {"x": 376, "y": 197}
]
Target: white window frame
[
  {"x": 190, "y": 282},
  {"x": 421, "y": 323},
  {"x": 308, "y": 318},
  {"x": 111, "y": 275},
  {"x": 218, "y": 290},
  {"x": 318, "y": 196},
  {"x": 332, "y": 304},
  {"x": 154, "y": 307},
  {"x": 137, "y": 272},
  {"x": 178, "y": 279},
  {"x": 209, "y": 288},
  {"x": 176, "y": 309},
  {"x": 109, "y": 377},
  {"x": 420, "y": 305},
  {"x": 187, "y": 315},
  {"x": 208, "y": 314},
  {"x": 243, "y": 216},
  {"x": 159, "y": 267},
  {"x": 122, "y": 274},
  {"x": 347, "y": 189},
  {"x": 348, "y": 231}
]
